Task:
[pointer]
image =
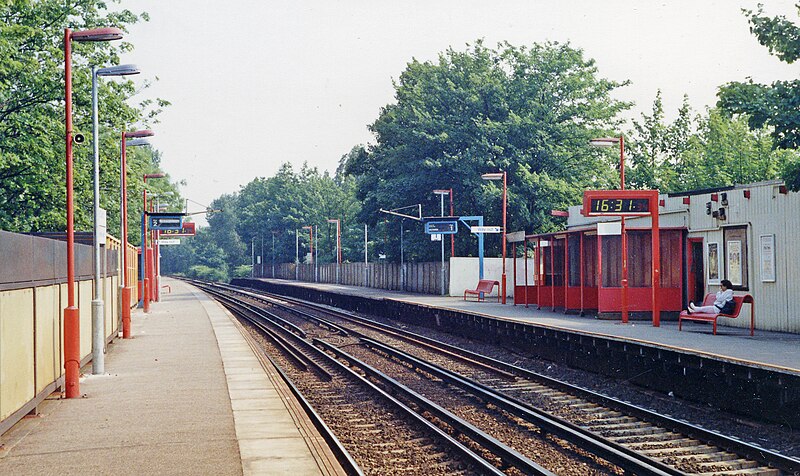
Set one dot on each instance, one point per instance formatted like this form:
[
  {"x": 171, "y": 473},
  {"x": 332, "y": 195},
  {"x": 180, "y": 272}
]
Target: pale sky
[{"x": 255, "y": 83}]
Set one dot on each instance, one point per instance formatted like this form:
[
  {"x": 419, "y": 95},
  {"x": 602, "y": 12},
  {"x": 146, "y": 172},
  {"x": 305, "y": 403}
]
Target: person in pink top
[{"x": 723, "y": 304}]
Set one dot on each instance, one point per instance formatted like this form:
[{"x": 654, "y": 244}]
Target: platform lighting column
[
  {"x": 125, "y": 289},
  {"x": 441, "y": 194},
  {"x": 146, "y": 283},
  {"x": 498, "y": 176},
  {"x": 98, "y": 322},
  {"x": 296, "y": 254},
  {"x": 365, "y": 255},
  {"x": 610, "y": 142},
  {"x": 72, "y": 335},
  {"x": 338, "y": 245},
  {"x": 310, "y": 229},
  {"x": 453, "y": 236}
]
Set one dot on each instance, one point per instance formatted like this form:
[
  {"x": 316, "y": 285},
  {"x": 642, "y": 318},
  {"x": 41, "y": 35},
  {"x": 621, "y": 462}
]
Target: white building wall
[
  {"x": 464, "y": 273},
  {"x": 766, "y": 212}
]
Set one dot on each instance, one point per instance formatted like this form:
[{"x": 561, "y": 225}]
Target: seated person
[{"x": 723, "y": 304}]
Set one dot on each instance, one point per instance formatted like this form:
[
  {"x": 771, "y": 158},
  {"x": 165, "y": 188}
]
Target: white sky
[{"x": 255, "y": 83}]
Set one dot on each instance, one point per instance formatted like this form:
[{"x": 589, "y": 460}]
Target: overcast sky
[{"x": 255, "y": 83}]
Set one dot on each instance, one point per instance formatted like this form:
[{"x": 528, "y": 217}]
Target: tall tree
[
  {"x": 32, "y": 166},
  {"x": 776, "y": 106},
  {"x": 527, "y": 110}
]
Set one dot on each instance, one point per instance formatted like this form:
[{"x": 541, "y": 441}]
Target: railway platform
[
  {"x": 187, "y": 395},
  {"x": 769, "y": 349}
]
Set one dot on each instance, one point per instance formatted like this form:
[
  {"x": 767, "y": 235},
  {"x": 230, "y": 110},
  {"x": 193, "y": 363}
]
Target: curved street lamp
[
  {"x": 125, "y": 290},
  {"x": 98, "y": 326},
  {"x": 612, "y": 142},
  {"x": 501, "y": 176},
  {"x": 72, "y": 334}
]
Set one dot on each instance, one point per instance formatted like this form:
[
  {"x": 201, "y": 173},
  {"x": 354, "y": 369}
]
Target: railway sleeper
[
  {"x": 611, "y": 420},
  {"x": 712, "y": 457},
  {"x": 642, "y": 439},
  {"x": 662, "y": 446},
  {"x": 643, "y": 431},
  {"x": 761, "y": 471},
  {"x": 729, "y": 465},
  {"x": 627, "y": 425}
]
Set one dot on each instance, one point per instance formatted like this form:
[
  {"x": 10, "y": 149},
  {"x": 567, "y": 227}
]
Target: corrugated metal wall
[{"x": 766, "y": 212}]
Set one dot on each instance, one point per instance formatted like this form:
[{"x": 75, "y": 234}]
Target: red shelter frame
[{"x": 652, "y": 209}]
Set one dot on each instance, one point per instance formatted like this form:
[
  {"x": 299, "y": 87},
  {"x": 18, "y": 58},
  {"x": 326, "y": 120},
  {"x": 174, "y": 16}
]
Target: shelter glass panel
[
  {"x": 590, "y": 261},
  {"x": 574, "y": 247},
  {"x": 611, "y": 249},
  {"x": 640, "y": 258}
]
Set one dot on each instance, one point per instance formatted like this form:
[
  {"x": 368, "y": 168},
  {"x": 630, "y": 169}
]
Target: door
[{"x": 696, "y": 285}]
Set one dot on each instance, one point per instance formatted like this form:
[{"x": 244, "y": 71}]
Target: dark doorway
[{"x": 696, "y": 284}]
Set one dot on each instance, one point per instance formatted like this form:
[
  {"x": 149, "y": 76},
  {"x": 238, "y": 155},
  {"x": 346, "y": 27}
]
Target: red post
[
  {"x": 145, "y": 275},
  {"x": 525, "y": 255},
  {"x": 552, "y": 273},
  {"x": 125, "y": 297},
  {"x": 537, "y": 255},
  {"x": 452, "y": 237},
  {"x": 514, "y": 254},
  {"x": 656, "y": 259},
  {"x": 72, "y": 321},
  {"x": 503, "y": 281},
  {"x": 624, "y": 234},
  {"x": 581, "y": 270}
]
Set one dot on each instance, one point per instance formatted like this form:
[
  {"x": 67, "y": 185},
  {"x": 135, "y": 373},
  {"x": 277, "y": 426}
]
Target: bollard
[
  {"x": 126, "y": 313},
  {"x": 72, "y": 352}
]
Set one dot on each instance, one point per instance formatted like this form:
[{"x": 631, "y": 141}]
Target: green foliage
[
  {"x": 242, "y": 271},
  {"x": 32, "y": 165},
  {"x": 207, "y": 273},
  {"x": 699, "y": 152},
  {"x": 527, "y": 110},
  {"x": 775, "y": 106}
]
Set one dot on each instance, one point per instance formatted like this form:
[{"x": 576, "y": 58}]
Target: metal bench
[
  {"x": 711, "y": 317},
  {"x": 484, "y": 287}
]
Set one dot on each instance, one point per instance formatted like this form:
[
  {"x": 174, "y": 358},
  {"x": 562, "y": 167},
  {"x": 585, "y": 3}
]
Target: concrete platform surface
[
  {"x": 769, "y": 349},
  {"x": 186, "y": 395}
]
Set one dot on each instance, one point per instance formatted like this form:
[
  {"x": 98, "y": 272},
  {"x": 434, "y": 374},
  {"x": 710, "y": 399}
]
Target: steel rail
[
  {"x": 472, "y": 458},
  {"x": 617, "y": 454},
  {"x": 508, "y": 454},
  {"x": 748, "y": 450}
]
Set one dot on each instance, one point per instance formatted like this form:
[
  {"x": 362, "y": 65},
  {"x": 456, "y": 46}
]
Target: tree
[
  {"x": 776, "y": 106},
  {"x": 527, "y": 110},
  {"x": 32, "y": 165}
]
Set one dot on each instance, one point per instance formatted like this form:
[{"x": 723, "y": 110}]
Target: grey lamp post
[{"x": 98, "y": 333}]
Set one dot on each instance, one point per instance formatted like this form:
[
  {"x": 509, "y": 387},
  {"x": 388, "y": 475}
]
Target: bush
[
  {"x": 242, "y": 271},
  {"x": 207, "y": 274}
]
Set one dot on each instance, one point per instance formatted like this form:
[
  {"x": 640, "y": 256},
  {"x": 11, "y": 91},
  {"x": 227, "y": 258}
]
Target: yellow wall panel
[
  {"x": 85, "y": 305},
  {"x": 48, "y": 345},
  {"x": 16, "y": 350}
]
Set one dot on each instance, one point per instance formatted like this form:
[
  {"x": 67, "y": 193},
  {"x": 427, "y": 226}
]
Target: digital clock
[{"x": 619, "y": 206}]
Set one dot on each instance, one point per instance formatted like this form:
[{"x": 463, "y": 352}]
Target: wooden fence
[{"x": 422, "y": 278}]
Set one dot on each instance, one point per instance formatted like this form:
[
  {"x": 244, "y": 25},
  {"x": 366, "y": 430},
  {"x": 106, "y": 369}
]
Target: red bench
[
  {"x": 485, "y": 286},
  {"x": 711, "y": 317}
]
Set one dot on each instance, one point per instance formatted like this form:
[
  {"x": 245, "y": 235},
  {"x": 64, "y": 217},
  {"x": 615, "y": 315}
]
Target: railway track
[{"x": 596, "y": 430}]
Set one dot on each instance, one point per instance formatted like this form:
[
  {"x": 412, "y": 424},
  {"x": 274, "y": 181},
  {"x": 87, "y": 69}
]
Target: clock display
[{"x": 619, "y": 206}]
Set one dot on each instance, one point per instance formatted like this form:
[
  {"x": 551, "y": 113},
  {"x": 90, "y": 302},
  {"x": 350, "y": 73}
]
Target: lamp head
[
  {"x": 98, "y": 34},
  {"x": 149, "y": 176},
  {"x": 604, "y": 141},
  {"x": 136, "y": 142},
  {"x": 441, "y": 192},
  {"x": 333, "y": 220},
  {"x": 119, "y": 70},
  {"x": 493, "y": 176},
  {"x": 141, "y": 133}
]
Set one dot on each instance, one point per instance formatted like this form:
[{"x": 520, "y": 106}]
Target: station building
[{"x": 748, "y": 234}]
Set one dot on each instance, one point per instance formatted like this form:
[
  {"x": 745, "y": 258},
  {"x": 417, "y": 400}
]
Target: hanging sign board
[
  {"x": 485, "y": 229},
  {"x": 165, "y": 221},
  {"x": 187, "y": 229},
  {"x": 449, "y": 227},
  {"x": 516, "y": 237},
  {"x": 609, "y": 229},
  {"x": 169, "y": 241},
  {"x": 101, "y": 229}
]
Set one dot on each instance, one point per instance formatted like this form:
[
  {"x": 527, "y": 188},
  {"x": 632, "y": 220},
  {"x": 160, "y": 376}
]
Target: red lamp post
[
  {"x": 338, "y": 245},
  {"x": 72, "y": 335},
  {"x": 146, "y": 281},
  {"x": 125, "y": 290},
  {"x": 497, "y": 176},
  {"x": 610, "y": 142}
]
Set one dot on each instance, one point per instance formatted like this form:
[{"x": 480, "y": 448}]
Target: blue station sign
[
  {"x": 166, "y": 221},
  {"x": 442, "y": 227}
]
